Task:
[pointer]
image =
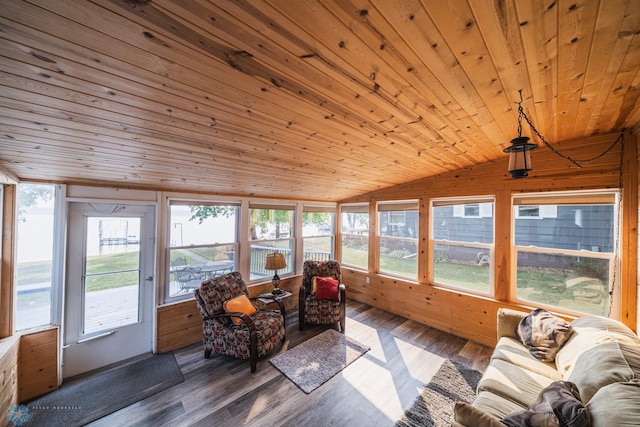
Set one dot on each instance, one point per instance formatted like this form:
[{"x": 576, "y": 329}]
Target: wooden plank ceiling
[{"x": 305, "y": 99}]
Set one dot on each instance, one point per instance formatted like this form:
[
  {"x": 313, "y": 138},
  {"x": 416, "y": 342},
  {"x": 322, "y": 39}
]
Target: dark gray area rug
[
  {"x": 434, "y": 407},
  {"x": 83, "y": 400},
  {"x": 317, "y": 360}
]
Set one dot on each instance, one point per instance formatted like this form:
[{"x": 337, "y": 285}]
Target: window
[
  {"x": 462, "y": 243},
  {"x": 566, "y": 259},
  {"x": 355, "y": 235},
  {"x": 317, "y": 232},
  {"x": 34, "y": 260},
  {"x": 536, "y": 212},
  {"x": 270, "y": 231},
  {"x": 398, "y": 231},
  {"x": 203, "y": 243}
]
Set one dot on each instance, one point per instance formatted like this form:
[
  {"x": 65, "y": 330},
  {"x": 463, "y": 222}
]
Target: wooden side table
[{"x": 285, "y": 297}]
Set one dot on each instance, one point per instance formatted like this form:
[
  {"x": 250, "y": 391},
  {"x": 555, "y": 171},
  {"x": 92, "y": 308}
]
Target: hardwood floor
[{"x": 372, "y": 391}]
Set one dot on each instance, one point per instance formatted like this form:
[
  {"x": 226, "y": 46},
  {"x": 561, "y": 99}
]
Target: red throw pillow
[{"x": 327, "y": 288}]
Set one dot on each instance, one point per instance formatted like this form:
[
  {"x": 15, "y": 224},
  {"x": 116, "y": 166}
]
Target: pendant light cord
[{"x": 577, "y": 162}]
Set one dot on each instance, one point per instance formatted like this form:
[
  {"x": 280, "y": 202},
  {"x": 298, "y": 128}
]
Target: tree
[
  {"x": 210, "y": 211},
  {"x": 259, "y": 219},
  {"x": 30, "y": 195}
]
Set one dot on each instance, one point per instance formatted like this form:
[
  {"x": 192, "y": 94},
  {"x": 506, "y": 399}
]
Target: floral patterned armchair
[
  {"x": 253, "y": 337},
  {"x": 316, "y": 311}
]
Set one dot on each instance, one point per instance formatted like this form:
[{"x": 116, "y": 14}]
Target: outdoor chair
[
  {"x": 321, "y": 307},
  {"x": 186, "y": 277},
  {"x": 232, "y": 325}
]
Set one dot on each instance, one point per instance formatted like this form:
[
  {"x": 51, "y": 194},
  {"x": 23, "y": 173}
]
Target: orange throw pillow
[
  {"x": 239, "y": 304},
  {"x": 327, "y": 288}
]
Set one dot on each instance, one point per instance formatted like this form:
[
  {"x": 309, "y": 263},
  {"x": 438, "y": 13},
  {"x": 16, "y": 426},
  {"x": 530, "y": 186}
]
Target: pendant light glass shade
[{"x": 520, "y": 156}]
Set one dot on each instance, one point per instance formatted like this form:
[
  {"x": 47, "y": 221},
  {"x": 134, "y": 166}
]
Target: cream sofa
[{"x": 602, "y": 358}]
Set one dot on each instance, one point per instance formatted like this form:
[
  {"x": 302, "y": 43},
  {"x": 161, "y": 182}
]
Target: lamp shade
[
  {"x": 519, "y": 156},
  {"x": 275, "y": 261}
]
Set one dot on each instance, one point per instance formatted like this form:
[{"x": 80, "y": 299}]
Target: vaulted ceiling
[{"x": 309, "y": 99}]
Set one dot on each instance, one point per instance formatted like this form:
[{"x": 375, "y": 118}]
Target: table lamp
[{"x": 275, "y": 261}]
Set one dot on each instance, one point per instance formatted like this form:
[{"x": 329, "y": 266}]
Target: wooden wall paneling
[
  {"x": 502, "y": 260},
  {"x": 373, "y": 238},
  {"x": 9, "y": 354},
  {"x": 635, "y": 133},
  {"x": 629, "y": 237},
  {"x": 9, "y": 221},
  {"x": 425, "y": 248},
  {"x": 441, "y": 308},
  {"x": 178, "y": 325},
  {"x": 39, "y": 360}
]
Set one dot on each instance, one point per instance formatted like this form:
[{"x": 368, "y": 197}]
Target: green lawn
[{"x": 546, "y": 287}]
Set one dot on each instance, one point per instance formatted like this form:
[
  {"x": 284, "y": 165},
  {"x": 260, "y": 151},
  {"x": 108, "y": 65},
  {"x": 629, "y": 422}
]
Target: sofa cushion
[
  {"x": 597, "y": 367},
  {"x": 558, "y": 404},
  {"x": 467, "y": 415},
  {"x": 543, "y": 334},
  {"x": 495, "y": 405},
  {"x": 512, "y": 350},
  {"x": 617, "y": 404},
  {"x": 512, "y": 382},
  {"x": 590, "y": 331}
]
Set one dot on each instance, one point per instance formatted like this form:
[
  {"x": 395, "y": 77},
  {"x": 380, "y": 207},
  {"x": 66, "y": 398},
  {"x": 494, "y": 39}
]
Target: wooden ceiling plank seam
[
  {"x": 452, "y": 161},
  {"x": 328, "y": 59},
  {"x": 575, "y": 40},
  {"x": 386, "y": 134},
  {"x": 455, "y": 20},
  {"x": 415, "y": 27},
  {"x": 539, "y": 34},
  {"x": 415, "y": 153},
  {"x": 501, "y": 31},
  {"x": 624, "y": 93},
  {"x": 75, "y": 84},
  {"x": 465, "y": 137},
  {"x": 245, "y": 158},
  {"x": 59, "y": 159},
  {"x": 604, "y": 62},
  {"x": 334, "y": 107}
]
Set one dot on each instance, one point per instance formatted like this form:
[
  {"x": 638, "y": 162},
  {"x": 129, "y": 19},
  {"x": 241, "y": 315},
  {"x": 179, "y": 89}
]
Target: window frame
[
  {"x": 489, "y": 247},
  {"x": 588, "y": 198},
  {"x": 311, "y": 208},
  {"x": 395, "y": 207},
  {"x": 168, "y": 248},
  {"x": 358, "y": 208},
  {"x": 291, "y": 239}
]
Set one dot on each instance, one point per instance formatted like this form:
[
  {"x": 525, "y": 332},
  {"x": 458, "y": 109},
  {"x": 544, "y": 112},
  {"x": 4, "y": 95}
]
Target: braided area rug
[
  {"x": 317, "y": 360},
  {"x": 434, "y": 407}
]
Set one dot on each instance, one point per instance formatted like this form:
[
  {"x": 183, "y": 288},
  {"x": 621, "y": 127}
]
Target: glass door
[{"x": 109, "y": 289}]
